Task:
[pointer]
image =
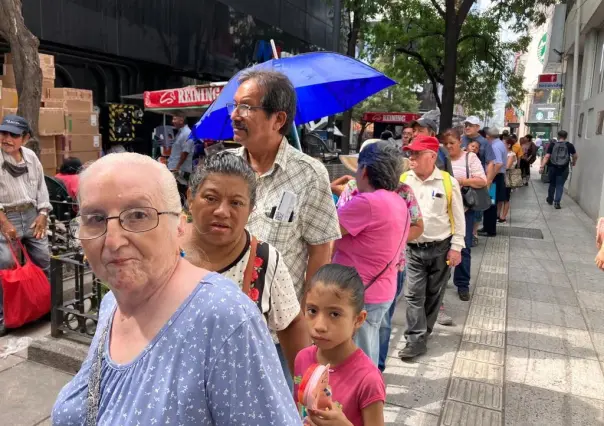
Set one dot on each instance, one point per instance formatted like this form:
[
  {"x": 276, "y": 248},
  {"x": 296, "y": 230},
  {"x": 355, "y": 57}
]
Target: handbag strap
[
  {"x": 467, "y": 165},
  {"x": 396, "y": 254},
  {"x": 94, "y": 382},
  {"x": 249, "y": 268}
]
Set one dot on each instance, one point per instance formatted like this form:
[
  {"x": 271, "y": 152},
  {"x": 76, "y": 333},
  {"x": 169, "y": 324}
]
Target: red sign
[
  {"x": 390, "y": 117},
  {"x": 549, "y": 81},
  {"x": 191, "y": 96}
]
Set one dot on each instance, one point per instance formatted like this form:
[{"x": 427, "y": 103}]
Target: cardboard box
[
  {"x": 47, "y": 84},
  {"x": 47, "y": 64},
  {"x": 49, "y": 159},
  {"x": 8, "y": 76},
  {"x": 51, "y": 122},
  {"x": 8, "y": 97},
  {"x": 54, "y": 103},
  {"x": 8, "y": 111},
  {"x": 84, "y": 156},
  {"x": 69, "y": 105},
  {"x": 51, "y": 171},
  {"x": 77, "y": 143},
  {"x": 68, "y": 93},
  {"x": 48, "y": 142},
  {"x": 82, "y": 123}
]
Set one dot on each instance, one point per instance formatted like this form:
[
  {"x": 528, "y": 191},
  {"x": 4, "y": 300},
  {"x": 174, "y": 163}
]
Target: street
[{"x": 528, "y": 349}]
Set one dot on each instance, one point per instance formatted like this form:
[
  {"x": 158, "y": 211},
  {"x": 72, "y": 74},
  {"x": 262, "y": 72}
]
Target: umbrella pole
[{"x": 294, "y": 127}]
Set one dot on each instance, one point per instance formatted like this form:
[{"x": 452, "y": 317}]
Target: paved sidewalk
[{"x": 529, "y": 347}]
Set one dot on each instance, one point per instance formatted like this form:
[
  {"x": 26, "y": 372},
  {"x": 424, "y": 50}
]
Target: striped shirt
[
  {"x": 315, "y": 220},
  {"x": 29, "y": 188}
]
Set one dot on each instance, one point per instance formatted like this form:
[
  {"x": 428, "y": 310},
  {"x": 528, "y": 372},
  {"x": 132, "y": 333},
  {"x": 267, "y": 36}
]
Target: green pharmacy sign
[{"x": 541, "y": 48}]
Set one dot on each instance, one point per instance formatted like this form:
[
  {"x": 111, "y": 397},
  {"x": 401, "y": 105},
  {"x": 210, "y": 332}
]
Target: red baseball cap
[{"x": 423, "y": 143}]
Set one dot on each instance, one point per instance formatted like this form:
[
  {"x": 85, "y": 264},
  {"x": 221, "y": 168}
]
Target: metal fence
[{"x": 75, "y": 292}]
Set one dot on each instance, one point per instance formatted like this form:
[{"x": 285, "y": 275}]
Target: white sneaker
[{"x": 443, "y": 318}]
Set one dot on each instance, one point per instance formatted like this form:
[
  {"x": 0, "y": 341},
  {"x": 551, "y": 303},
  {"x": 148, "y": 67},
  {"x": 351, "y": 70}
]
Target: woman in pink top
[
  {"x": 68, "y": 174},
  {"x": 374, "y": 226},
  {"x": 468, "y": 171}
]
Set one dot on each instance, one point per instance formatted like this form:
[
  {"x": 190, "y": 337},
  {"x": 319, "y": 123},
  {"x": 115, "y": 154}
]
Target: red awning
[
  {"x": 200, "y": 96},
  {"x": 390, "y": 117}
]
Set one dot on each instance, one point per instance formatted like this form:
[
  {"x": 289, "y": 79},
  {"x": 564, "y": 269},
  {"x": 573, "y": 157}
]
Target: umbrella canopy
[{"x": 326, "y": 84}]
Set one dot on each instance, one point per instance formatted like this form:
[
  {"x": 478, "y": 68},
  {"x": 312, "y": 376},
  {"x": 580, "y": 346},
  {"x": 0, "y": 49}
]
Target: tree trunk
[
  {"x": 26, "y": 62},
  {"x": 353, "y": 38},
  {"x": 450, "y": 69},
  {"x": 361, "y": 133}
]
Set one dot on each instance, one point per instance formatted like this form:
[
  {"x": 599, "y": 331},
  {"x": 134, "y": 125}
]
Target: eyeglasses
[
  {"x": 137, "y": 220},
  {"x": 242, "y": 109},
  {"x": 11, "y": 134}
]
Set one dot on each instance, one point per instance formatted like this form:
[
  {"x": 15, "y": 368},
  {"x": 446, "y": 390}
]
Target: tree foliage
[{"x": 457, "y": 47}]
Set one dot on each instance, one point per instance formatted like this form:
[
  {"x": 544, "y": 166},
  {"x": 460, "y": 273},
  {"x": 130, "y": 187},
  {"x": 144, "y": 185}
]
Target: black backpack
[{"x": 560, "y": 156}]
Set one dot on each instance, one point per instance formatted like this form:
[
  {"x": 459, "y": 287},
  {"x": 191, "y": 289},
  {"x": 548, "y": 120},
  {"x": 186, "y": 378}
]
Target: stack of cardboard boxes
[{"x": 67, "y": 126}]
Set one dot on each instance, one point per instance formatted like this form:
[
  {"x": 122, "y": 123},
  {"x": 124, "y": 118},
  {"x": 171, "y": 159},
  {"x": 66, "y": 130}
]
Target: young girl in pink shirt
[{"x": 334, "y": 313}]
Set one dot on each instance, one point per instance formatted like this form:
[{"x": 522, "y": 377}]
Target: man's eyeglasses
[
  {"x": 242, "y": 109},
  {"x": 11, "y": 134},
  {"x": 137, "y": 220}
]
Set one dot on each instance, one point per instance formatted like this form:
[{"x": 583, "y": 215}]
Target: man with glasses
[
  {"x": 431, "y": 256},
  {"x": 24, "y": 201},
  {"x": 294, "y": 210}
]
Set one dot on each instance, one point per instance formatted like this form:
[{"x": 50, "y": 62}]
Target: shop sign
[
  {"x": 390, "y": 117},
  {"x": 549, "y": 81},
  {"x": 190, "y": 96}
]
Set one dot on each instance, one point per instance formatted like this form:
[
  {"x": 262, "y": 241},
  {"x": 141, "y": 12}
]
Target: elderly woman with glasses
[
  {"x": 175, "y": 344},
  {"x": 374, "y": 225}
]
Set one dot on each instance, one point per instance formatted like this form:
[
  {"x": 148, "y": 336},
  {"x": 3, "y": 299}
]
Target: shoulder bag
[
  {"x": 513, "y": 177},
  {"x": 477, "y": 199}
]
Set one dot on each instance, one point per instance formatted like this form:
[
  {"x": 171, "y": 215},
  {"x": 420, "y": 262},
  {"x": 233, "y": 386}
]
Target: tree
[
  {"x": 396, "y": 98},
  {"x": 458, "y": 48},
  {"x": 26, "y": 62}
]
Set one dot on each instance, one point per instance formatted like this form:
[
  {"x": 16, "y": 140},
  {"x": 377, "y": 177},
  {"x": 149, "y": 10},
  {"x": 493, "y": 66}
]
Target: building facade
[{"x": 586, "y": 184}]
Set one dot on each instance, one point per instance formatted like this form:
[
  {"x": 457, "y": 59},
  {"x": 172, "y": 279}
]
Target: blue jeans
[
  {"x": 288, "y": 377},
  {"x": 37, "y": 249},
  {"x": 557, "y": 179},
  {"x": 387, "y": 329},
  {"x": 368, "y": 336},
  {"x": 461, "y": 276}
]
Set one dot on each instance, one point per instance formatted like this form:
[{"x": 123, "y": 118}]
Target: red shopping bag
[{"x": 26, "y": 291}]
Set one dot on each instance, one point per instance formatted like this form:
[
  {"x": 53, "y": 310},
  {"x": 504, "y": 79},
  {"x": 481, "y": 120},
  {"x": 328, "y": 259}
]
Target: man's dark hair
[
  {"x": 387, "y": 134},
  {"x": 346, "y": 279},
  {"x": 71, "y": 166},
  {"x": 529, "y": 137},
  {"x": 563, "y": 134},
  {"x": 279, "y": 94}
]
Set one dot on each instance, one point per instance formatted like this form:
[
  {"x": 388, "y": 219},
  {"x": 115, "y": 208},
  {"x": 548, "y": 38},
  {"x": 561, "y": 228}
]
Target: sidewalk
[
  {"x": 527, "y": 350},
  {"x": 529, "y": 347}
]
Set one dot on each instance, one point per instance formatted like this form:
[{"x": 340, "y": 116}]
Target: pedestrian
[
  {"x": 221, "y": 196},
  {"x": 407, "y": 137},
  {"x": 469, "y": 173},
  {"x": 529, "y": 156},
  {"x": 374, "y": 226},
  {"x": 416, "y": 229},
  {"x": 428, "y": 127},
  {"x": 334, "y": 314},
  {"x": 511, "y": 163},
  {"x": 174, "y": 343},
  {"x": 496, "y": 176},
  {"x": 182, "y": 149},
  {"x": 473, "y": 133},
  {"x": 68, "y": 174},
  {"x": 262, "y": 112},
  {"x": 600, "y": 244},
  {"x": 559, "y": 157},
  {"x": 24, "y": 200},
  {"x": 430, "y": 257}
]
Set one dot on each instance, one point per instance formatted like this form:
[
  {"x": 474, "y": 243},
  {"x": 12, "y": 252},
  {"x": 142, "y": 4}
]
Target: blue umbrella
[{"x": 326, "y": 84}]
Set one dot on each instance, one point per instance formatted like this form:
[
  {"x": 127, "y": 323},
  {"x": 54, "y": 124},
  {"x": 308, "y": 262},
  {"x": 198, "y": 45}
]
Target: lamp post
[{"x": 337, "y": 17}]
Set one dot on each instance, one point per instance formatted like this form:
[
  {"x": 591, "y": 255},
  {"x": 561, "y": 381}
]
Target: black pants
[
  {"x": 427, "y": 276},
  {"x": 525, "y": 168},
  {"x": 490, "y": 215}
]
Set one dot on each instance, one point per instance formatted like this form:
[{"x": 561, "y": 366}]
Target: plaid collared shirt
[{"x": 315, "y": 219}]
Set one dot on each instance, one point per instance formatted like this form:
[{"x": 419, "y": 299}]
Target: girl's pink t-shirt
[
  {"x": 376, "y": 224},
  {"x": 72, "y": 183},
  {"x": 355, "y": 384}
]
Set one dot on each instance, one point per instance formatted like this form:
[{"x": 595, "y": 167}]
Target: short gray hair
[
  {"x": 225, "y": 163},
  {"x": 165, "y": 178},
  {"x": 279, "y": 93},
  {"x": 383, "y": 163}
]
